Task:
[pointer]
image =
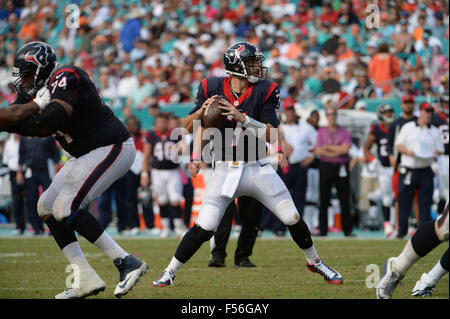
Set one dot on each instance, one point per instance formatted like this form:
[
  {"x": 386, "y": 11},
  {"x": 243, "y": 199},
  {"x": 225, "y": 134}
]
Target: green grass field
[{"x": 35, "y": 268}]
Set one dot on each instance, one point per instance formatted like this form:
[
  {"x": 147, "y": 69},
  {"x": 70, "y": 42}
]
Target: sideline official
[{"x": 419, "y": 143}]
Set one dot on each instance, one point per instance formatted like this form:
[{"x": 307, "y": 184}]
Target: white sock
[
  {"x": 110, "y": 247},
  {"x": 311, "y": 255},
  {"x": 406, "y": 259},
  {"x": 178, "y": 223},
  {"x": 75, "y": 256},
  {"x": 437, "y": 272},
  {"x": 175, "y": 264},
  {"x": 165, "y": 223},
  {"x": 212, "y": 243}
]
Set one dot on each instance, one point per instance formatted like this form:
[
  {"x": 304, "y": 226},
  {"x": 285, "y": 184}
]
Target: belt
[
  {"x": 404, "y": 169},
  {"x": 419, "y": 169}
]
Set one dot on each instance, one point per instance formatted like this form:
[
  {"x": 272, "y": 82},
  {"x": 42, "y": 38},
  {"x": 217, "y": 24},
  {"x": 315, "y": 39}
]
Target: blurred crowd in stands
[
  {"x": 151, "y": 54},
  {"x": 144, "y": 52}
]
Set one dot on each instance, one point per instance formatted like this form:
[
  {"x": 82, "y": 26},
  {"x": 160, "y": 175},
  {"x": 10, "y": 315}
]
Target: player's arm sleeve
[
  {"x": 270, "y": 105},
  {"x": 201, "y": 96},
  {"x": 199, "y": 100}
]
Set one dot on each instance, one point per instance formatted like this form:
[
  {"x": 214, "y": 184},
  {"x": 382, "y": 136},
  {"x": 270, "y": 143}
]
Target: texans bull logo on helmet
[
  {"x": 39, "y": 58},
  {"x": 236, "y": 54}
]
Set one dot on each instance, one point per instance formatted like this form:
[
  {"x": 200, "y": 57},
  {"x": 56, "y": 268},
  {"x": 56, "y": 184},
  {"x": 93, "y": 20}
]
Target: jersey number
[
  {"x": 62, "y": 83},
  {"x": 383, "y": 147},
  {"x": 444, "y": 133},
  {"x": 162, "y": 150}
]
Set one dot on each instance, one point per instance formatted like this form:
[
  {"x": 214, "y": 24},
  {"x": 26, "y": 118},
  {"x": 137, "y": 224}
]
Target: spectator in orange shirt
[
  {"x": 383, "y": 68},
  {"x": 343, "y": 52},
  {"x": 29, "y": 30},
  {"x": 295, "y": 48},
  {"x": 418, "y": 32}
]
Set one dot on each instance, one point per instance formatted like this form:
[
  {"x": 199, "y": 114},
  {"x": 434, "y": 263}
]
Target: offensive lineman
[
  {"x": 251, "y": 105},
  {"x": 378, "y": 134},
  {"x": 102, "y": 150}
]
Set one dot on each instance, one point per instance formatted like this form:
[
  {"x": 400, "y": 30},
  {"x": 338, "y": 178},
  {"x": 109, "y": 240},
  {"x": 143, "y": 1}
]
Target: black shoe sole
[
  {"x": 216, "y": 265},
  {"x": 245, "y": 265}
]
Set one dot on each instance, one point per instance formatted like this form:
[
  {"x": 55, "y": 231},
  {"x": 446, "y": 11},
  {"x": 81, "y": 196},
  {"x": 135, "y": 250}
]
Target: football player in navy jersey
[
  {"x": 440, "y": 120},
  {"x": 166, "y": 179},
  {"x": 102, "y": 150},
  {"x": 241, "y": 165},
  {"x": 378, "y": 135}
]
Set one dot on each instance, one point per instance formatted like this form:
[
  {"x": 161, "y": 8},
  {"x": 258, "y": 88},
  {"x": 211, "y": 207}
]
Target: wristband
[
  {"x": 144, "y": 174},
  {"x": 196, "y": 156}
]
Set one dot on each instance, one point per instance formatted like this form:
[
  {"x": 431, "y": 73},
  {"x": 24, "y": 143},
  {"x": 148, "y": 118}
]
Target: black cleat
[
  {"x": 217, "y": 262},
  {"x": 245, "y": 262}
]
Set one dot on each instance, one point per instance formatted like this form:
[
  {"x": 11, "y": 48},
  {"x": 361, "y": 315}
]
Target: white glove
[{"x": 42, "y": 97}]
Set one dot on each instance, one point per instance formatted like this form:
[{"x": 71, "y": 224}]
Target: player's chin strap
[{"x": 257, "y": 127}]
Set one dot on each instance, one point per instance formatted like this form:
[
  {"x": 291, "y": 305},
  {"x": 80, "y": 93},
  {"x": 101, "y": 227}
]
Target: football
[{"x": 212, "y": 116}]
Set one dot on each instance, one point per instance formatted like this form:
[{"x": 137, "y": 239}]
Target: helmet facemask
[
  {"x": 254, "y": 69},
  {"x": 381, "y": 112},
  {"x": 39, "y": 80}
]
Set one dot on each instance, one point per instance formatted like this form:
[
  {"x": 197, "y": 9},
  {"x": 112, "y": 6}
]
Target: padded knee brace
[{"x": 287, "y": 212}]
